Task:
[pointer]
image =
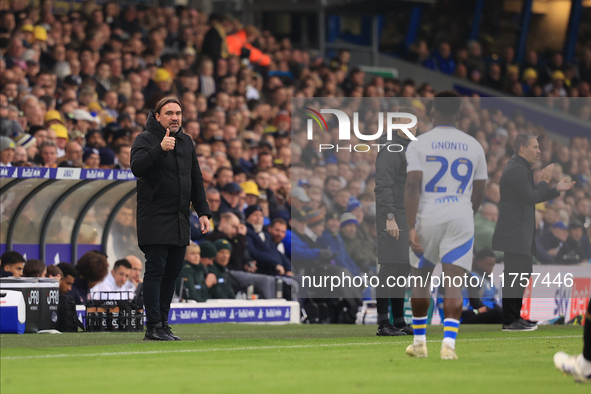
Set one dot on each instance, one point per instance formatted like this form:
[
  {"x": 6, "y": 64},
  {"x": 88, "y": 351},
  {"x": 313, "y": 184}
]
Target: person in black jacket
[
  {"x": 12, "y": 264},
  {"x": 169, "y": 180},
  {"x": 91, "y": 269},
  {"x": 214, "y": 43},
  {"x": 392, "y": 230},
  {"x": 515, "y": 230},
  {"x": 261, "y": 247}
]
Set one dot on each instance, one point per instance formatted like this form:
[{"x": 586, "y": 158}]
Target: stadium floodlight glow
[{"x": 345, "y": 124}]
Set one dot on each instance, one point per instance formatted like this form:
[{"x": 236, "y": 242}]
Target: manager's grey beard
[{"x": 257, "y": 228}]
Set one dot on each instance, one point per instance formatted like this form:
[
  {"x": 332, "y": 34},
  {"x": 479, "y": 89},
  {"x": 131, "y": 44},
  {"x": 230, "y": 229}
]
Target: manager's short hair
[
  {"x": 166, "y": 100},
  {"x": 521, "y": 140}
]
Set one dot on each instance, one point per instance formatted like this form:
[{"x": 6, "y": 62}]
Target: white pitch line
[{"x": 260, "y": 348}]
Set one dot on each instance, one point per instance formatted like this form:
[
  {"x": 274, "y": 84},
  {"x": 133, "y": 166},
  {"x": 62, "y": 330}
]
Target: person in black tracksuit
[
  {"x": 392, "y": 231},
  {"x": 515, "y": 230},
  {"x": 169, "y": 179}
]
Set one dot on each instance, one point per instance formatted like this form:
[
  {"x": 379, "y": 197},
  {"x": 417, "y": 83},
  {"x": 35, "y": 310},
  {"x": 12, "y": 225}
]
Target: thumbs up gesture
[{"x": 168, "y": 142}]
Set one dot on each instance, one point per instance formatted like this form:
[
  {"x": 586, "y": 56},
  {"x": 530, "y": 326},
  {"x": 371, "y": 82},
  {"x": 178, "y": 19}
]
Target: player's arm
[
  {"x": 412, "y": 192},
  {"x": 478, "y": 193}
]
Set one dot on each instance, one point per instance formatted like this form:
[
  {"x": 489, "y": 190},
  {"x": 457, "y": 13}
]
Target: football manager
[
  {"x": 169, "y": 179},
  {"x": 514, "y": 232}
]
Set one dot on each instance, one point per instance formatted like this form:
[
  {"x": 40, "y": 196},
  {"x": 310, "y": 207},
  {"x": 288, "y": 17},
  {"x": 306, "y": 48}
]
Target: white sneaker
[
  {"x": 447, "y": 353},
  {"x": 418, "y": 351},
  {"x": 569, "y": 365}
]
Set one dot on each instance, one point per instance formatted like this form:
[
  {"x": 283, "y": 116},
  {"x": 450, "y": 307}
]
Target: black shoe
[
  {"x": 528, "y": 323},
  {"x": 518, "y": 326},
  {"x": 531, "y": 321},
  {"x": 407, "y": 329},
  {"x": 157, "y": 333},
  {"x": 388, "y": 330},
  {"x": 167, "y": 329}
]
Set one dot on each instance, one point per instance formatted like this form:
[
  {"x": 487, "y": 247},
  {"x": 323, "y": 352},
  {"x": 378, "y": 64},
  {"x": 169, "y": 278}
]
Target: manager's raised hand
[
  {"x": 168, "y": 142},
  {"x": 565, "y": 185}
]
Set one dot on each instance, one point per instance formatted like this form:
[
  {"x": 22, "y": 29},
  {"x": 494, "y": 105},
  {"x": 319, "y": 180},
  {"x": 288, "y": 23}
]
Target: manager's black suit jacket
[{"x": 515, "y": 229}]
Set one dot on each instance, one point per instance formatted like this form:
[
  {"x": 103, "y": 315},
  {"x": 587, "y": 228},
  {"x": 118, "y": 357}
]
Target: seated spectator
[
  {"x": 123, "y": 156},
  {"x": 91, "y": 269},
  {"x": 73, "y": 156},
  {"x": 482, "y": 304},
  {"x": 7, "y": 149},
  {"x": 196, "y": 281},
  {"x": 332, "y": 239},
  {"x": 555, "y": 239},
  {"x": 355, "y": 247},
  {"x": 67, "y": 319},
  {"x": 223, "y": 176},
  {"x": 278, "y": 231},
  {"x": 117, "y": 279},
  {"x": 242, "y": 267},
  {"x": 549, "y": 218},
  {"x": 12, "y": 264},
  {"x": 223, "y": 288},
  {"x": 34, "y": 269},
  {"x": 252, "y": 192},
  {"x": 311, "y": 260},
  {"x": 582, "y": 211},
  {"x": 542, "y": 255},
  {"x": 442, "y": 59},
  {"x": 298, "y": 198},
  {"x": 54, "y": 272},
  {"x": 135, "y": 276},
  {"x": 492, "y": 193},
  {"x": 68, "y": 277},
  {"x": 229, "y": 229},
  {"x": 485, "y": 221},
  {"x": 214, "y": 200},
  {"x": 261, "y": 247},
  {"x": 230, "y": 199},
  {"x": 341, "y": 201},
  {"x": 263, "y": 181},
  {"x": 48, "y": 152},
  {"x": 578, "y": 245},
  {"x": 365, "y": 233}
]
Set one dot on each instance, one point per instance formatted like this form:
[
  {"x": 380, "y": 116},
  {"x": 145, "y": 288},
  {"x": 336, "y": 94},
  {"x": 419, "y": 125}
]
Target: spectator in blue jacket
[
  {"x": 332, "y": 239},
  {"x": 442, "y": 58},
  {"x": 260, "y": 245}
]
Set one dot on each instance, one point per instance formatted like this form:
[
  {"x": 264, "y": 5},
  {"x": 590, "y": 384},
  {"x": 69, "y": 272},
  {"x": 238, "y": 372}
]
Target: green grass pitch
[{"x": 308, "y": 359}]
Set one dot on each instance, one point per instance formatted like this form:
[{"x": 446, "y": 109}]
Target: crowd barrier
[{"x": 276, "y": 311}]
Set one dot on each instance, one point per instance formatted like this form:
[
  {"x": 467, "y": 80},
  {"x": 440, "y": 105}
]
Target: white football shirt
[{"x": 450, "y": 161}]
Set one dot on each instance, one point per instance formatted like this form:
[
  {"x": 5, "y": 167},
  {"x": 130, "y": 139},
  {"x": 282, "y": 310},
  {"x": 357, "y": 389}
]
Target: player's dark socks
[
  {"x": 587, "y": 334},
  {"x": 399, "y": 322}
]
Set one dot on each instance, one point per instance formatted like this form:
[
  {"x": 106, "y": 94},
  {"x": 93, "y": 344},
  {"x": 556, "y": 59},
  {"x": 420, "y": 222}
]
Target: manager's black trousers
[
  {"x": 393, "y": 294},
  {"x": 163, "y": 266},
  {"x": 519, "y": 264}
]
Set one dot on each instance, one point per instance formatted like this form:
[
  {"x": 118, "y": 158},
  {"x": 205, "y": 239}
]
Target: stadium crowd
[
  {"x": 443, "y": 45},
  {"x": 77, "y": 89}
]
